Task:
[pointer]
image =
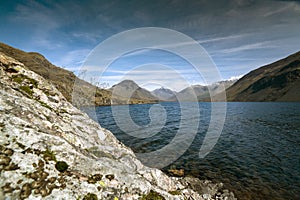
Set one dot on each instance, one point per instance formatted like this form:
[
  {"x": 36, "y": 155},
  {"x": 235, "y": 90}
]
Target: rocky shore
[{"x": 51, "y": 150}]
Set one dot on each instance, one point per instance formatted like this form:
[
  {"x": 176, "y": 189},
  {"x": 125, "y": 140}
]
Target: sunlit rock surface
[{"x": 51, "y": 150}]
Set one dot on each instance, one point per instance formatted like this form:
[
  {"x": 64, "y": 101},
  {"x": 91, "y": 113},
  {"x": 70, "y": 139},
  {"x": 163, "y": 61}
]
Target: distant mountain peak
[
  {"x": 163, "y": 93},
  {"x": 127, "y": 83},
  {"x": 162, "y": 89},
  {"x": 130, "y": 89}
]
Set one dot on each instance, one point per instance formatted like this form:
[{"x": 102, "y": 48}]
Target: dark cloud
[{"x": 230, "y": 28}]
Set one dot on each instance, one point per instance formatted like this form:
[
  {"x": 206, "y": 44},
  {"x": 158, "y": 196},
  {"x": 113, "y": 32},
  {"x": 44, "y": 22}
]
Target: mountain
[
  {"x": 279, "y": 81},
  {"x": 189, "y": 93},
  {"x": 64, "y": 80},
  {"x": 201, "y": 92},
  {"x": 132, "y": 92},
  {"x": 163, "y": 94}
]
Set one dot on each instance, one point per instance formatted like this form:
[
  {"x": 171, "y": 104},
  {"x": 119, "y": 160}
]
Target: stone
[{"x": 176, "y": 172}]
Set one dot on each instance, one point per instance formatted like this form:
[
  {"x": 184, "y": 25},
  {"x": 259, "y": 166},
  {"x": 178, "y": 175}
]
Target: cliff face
[{"x": 51, "y": 150}]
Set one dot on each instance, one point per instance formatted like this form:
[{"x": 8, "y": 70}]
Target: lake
[{"x": 257, "y": 155}]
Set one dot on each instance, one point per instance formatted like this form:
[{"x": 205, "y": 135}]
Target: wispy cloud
[
  {"x": 230, "y": 37},
  {"x": 154, "y": 71},
  {"x": 246, "y": 47},
  {"x": 177, "y": 45},
  {"x": 92, "y": 37},
  {"x": 287, "y": 7},
  {"x": 73, "y": 58},
  {"x": 41, "y": 14},
  {"x": 65, "y": 30},
  {"x": 146, "y": 74},
  {"x": 41, "y": 40},
  {"x": 43, "y": 19},
  {"x": 174, "y": 81}
]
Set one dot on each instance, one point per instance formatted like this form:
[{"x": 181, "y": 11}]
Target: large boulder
[{"x": 51, "y": 150}]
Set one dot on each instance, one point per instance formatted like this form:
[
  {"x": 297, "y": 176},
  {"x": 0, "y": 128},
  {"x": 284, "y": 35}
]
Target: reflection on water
[{"x": 257, "y": 155}]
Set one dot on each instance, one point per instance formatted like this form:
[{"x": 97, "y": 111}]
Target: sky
[{"x": 238, "y": 35}]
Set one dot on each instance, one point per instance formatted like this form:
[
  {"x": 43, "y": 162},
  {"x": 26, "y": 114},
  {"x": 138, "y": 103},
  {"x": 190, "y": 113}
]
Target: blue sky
[{"x": 239, "y": 35}]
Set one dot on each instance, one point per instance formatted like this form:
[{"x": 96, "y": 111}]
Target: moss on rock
[
  {"x": 175, "y": 192},
  {"x": 17, "y": 79},
  {"x": 61, "y": 166},
  {"x": 49, "y": 155},
  {"x": 26, "y": 89},
  {"x": 20, "y": 78},
  {"x": 152, "y": 195},
  {"x": 45, "y": 105},
  {"x": 90, "y": 196}
]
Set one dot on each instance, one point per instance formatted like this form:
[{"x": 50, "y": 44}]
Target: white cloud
[{"x": 233, "y": 78}]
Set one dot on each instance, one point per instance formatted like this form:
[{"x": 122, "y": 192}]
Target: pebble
[
  {"x": 52, "y": 179},
  {"x": 36, "y": 184},
  {"x": 206, "y": 196},
  {"x": 7, "y": 188},
  {"x": 8, "y": 152}
]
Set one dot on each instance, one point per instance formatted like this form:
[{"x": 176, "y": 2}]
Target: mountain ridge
[
  {"x": 201, "y": 92},
  {"x": 277, "y": 81}
]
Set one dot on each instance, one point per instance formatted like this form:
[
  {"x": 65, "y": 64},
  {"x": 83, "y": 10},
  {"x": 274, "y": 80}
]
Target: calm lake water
[{"x": 257, "y": 155}]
